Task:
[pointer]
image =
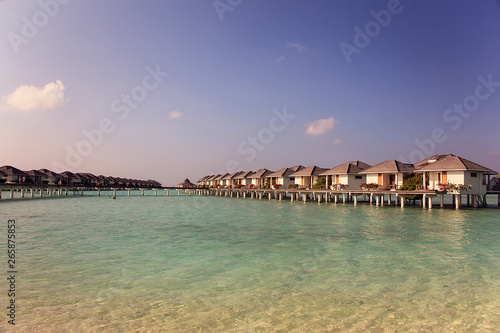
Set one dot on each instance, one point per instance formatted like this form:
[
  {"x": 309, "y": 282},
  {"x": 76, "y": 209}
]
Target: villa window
[
  {"x": 292, "y": 179},
  {"x": 358, "y": 177},
  {"x": 473, "y": 174}
]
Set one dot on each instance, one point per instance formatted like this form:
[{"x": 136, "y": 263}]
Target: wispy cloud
[
  {"x": 494, "y": 153},
  {"x": 30, "y": 98},
  {"x": 175, "y": 114},
  {"x": 280, "y": 59},
  {"x": 321, "y": 126},
  {"x": 338, "y": 141},
  {"x": 296, "y": 46}
]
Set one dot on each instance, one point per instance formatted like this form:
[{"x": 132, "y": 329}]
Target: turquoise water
[{"x": 198, "y": 264}]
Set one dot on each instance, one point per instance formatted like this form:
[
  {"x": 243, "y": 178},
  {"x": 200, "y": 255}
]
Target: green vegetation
[
  {"x": 320, "y": 183},
  {"x": 410, "y": 183}
]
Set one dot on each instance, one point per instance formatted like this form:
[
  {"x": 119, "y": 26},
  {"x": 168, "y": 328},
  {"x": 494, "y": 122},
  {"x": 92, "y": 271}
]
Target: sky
[{"x": 172, "y": 89}]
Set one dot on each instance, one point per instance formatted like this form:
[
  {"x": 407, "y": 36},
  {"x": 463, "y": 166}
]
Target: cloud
[
  {"x": 321, "y": 126},
  {"x": 280, "y": 59},
  {"x": 296, "y": 46},
  {"x": 494, "y": 153},
  {"x": 175, "y": 114},
  {"x": 338, "y": 141},
  {"x": 30, "y": 98}
]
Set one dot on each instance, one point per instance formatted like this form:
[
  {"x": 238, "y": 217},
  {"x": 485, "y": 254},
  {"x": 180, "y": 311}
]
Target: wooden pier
[{"x": 373, "y": 197}]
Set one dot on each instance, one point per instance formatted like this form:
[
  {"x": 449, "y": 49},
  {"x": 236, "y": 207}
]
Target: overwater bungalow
[
  {"x": 227, "y": 180},
  {"x": 214, "y": 181},
  {"x": 154, "y": 183},
  {"x": 283, "y": 176},
  {"x": 218, "y": 179},
  {"x": 70, "y": 178},
  {"x": 244, "y": 178},
  {"x": 307, "y": 177},
  {"x": 13, "y": 175},
  {"x": 259, "y": 177},
  {"x": 186, "y": 184},
  {"x": 388, "y": 174},
  {"x": 52, "y": 177},
  {"x": 232, "y": 178},
  {"x": 439, "y": 170},
  {"x": 203, "y": 181},
  {"x": 86, "y": 179},
  {"x": 346, "y": 175},
  {"x": 35, "y": 177}
]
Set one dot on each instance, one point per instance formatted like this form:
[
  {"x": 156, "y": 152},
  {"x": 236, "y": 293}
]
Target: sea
[{"x": 214, "y": 264}]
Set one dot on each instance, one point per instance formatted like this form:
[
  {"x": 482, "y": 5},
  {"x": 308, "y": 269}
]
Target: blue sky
[{"x": 355, "y": 79}]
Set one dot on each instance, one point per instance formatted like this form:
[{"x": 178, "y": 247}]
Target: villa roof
[
  {"x": 233, "y": 175},
  {"x": 69, "y": 174},
  {"x": 204, "y": 178},
  {"x": 10, "y": 170},
  {"x": 351, "y": 167},
  {"x": 309, "y": 171},
  {"x": 86, "y": 175},
  {"x": 391, "y": 166},
  {"x": 449, "y": 162},
  {"x": 186, "y": 182},
  {"x": 49, "y": 173},
  {"x": 2, "y": 173},
  {"x": 35, "y": 173},
  {"x": 285, "y": 172},
  {"x": 244, "y": 174},
  {"x": 219, "y": 177},
  {"x": 262, "y": 173}
]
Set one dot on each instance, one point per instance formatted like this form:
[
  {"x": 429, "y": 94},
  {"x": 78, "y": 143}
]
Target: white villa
[
  {"x": 259, "y": 177},
  {"x": 437, "y": 171},
  {"x": 449, "y": 168},
  {"x": 283, "y": 177},
  {"x": 346, "y": 176},
  {"x": 388, "y": 174},
  {"x": 244, "y": 178},
  {"x": 13, "y": 175},
  {"x": 308, "y": 176}
]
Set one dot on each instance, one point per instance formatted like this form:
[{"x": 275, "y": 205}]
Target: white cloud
[
  {"x": 29, "y": 98},
  {"x": 338, "y": 141},
  {"x": 280, "y": 59},
  {"x": 321, "y": 126},
  {"x": 175, "y": 114},
  {"x": 494, "y": 153},
  {"x": 296, "y": 46}
]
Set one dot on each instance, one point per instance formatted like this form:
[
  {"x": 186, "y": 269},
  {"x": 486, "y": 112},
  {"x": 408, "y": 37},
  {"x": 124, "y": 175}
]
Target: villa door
[{"x": 392, "y": 181}]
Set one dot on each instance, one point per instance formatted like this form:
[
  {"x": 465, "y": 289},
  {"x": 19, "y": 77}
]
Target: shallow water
[{"x": 185, "y": 263}]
